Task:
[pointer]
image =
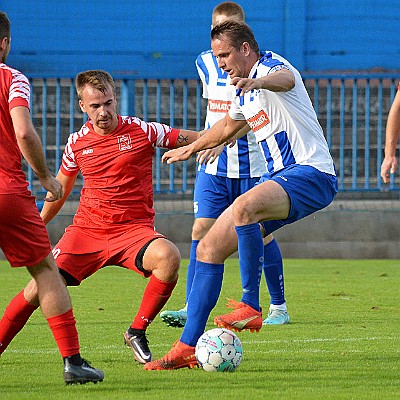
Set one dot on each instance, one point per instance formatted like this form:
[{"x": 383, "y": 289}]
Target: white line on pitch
[{"x": 121, "y": 348}]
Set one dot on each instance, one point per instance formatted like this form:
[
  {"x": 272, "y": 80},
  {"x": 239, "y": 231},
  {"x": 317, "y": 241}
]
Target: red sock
[
  {"x": 154, "y": 298},
  {"x": 64, "y": 331},
  {"x": 14, "y": 319}
]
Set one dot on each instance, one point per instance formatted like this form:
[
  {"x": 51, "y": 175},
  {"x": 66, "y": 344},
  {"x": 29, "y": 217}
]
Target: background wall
[
  {"x": 345, "y": 229},
  {"x": 161, "y": 38}
]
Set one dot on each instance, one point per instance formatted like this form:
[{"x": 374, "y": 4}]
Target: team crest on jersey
[
  {"x": 219, "y": 106},
  {"x": 258, "y": 121},
  {"x": 124, "y": 142}
]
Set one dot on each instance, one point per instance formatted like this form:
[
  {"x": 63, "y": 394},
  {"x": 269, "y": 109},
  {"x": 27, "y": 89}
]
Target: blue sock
[
  {"x": 203, "y": 297},
  {"x": 273, "y": 271},
  {"x": 191, "y": 268},
  {"x": 251, "y": 253}
]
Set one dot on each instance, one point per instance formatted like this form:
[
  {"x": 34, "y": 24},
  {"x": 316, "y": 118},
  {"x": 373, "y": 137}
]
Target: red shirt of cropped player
[{"x": 14, "y": 91}]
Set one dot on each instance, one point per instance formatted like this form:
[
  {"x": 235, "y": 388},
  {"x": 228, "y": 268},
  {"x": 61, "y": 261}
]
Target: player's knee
[
  {"x": 200, "y": 228},
  {"x": 168, "y": 258},
  {"x": 242, "y": 212}
]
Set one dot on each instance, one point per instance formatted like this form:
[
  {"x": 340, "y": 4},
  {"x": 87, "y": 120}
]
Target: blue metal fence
[{"x": 352, "y": 110}]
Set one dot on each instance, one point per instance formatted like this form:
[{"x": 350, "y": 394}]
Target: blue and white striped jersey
[
  {"x": 244, "y": 159},
  {"x": 284, "y": 123}
]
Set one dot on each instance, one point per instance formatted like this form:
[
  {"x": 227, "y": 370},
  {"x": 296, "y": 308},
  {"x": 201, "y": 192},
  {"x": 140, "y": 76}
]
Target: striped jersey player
[
  {"x": 220, "y": 182},
  {"x": 271, "y": 98}
]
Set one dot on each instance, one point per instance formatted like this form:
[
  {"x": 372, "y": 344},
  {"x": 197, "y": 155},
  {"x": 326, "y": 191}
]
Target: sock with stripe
[
  {"x": 273, "y": 271},
  {"x": 155, "y": 296}
]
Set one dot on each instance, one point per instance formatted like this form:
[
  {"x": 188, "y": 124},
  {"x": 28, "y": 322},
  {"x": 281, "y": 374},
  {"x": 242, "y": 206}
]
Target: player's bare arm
[
  {"x": 32, "y": 150},
  {"x": 279, "y": 81},
  {"x": 390, "y": 162},
  {"x": 186, "y": 137},
  {"x": 50, "y": 210},
  {"x": 219, "y": 133}
]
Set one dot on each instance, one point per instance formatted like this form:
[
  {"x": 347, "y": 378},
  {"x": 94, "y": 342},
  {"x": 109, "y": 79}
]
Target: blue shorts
[
  {"x": 214, "y": 194},
  {"x": 309, "y": 190}
]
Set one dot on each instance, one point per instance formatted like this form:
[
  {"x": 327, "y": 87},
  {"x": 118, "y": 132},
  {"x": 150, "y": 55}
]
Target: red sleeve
[
  {"x": 160, "y": 135},
  {"x": 173, "y": 138},
  {"x": 67, "y": 172},
  {"x": 18, "y": 102}
]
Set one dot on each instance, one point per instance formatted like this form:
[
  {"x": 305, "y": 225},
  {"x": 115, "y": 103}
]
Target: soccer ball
[{"x": 219, "y": 350}]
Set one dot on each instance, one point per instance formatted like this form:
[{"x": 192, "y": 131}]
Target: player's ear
[
  {"x": 82, "y": 106},
  {"x": 3, "y": 43},
  {"x": 246, "y": 48}
]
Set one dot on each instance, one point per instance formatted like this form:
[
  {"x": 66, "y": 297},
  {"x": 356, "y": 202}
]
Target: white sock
[{"x": 280, "y": 307}]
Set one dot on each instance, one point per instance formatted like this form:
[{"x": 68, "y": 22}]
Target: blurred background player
[
  {"x": 114, "y": 223},
  {"x": 23, "y": 235},
  {"x": 272, "y": 99},
  {"x": 390, "y": 162},
  {"x": 224, "y": 174}
]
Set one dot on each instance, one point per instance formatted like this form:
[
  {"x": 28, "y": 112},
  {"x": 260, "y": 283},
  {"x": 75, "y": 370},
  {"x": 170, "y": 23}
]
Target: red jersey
[
  {"x": 14, "y": 91},
  {"x": 117, "y": 170}
]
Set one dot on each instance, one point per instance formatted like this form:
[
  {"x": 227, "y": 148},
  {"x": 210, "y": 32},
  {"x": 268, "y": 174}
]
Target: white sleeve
[
  {"x": 202, "y": 78},
  {"x": 235, "y": 112}
]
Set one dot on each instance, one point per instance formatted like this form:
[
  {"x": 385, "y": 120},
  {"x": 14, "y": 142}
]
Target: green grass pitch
[{"x": 343, "y": 341}]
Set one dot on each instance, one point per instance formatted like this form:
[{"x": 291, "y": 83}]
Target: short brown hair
[
  {"x": 5, "y": 26},
  {"x": 237, "y": 33},
  {"x": 230, "y": 9},
  {"x": 95, "y": 78}
]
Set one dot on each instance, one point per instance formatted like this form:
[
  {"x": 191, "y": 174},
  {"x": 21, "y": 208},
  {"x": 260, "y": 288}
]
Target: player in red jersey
[
  {"x": 114, "y": 221},
  {"x": 23, "y": 235}
]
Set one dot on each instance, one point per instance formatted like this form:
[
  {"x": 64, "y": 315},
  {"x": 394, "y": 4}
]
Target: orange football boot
[
  {"x": 180, "y": 356},
  {"x": 242, "y": 318}
]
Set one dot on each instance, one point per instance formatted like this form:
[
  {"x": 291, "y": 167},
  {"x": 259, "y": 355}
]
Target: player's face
[
  {"x": 100, "y": 108},
  {"x": 229, "y": 59}
]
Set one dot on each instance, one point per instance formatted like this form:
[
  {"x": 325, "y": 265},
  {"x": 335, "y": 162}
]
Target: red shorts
[
  {"x": 23, "y": 235},
  {"x": 82, "y": 251}
]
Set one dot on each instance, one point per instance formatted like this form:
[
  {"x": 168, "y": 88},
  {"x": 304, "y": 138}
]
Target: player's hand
[
  {"x": 244, "y": 85},
  {"x": 209, "y": 155},
  {"x": 179, "y": 154},
  {"x": 230, "y": 142},
  {"x": 53, "y": 187},
  {"x": 389, "y": 166}
]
